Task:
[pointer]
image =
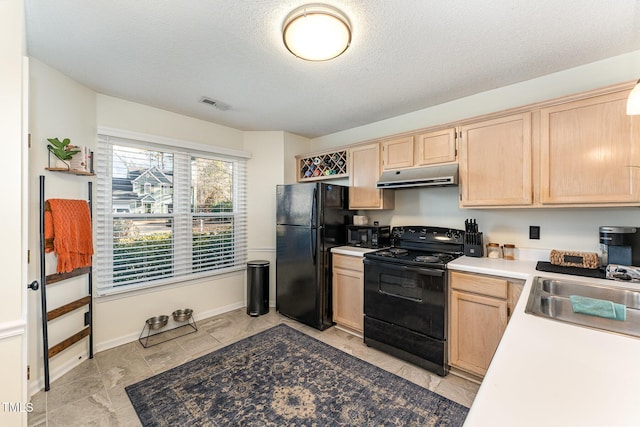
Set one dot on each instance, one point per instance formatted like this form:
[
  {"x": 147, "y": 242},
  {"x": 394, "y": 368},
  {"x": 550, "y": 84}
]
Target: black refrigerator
[{"x": 311, "y": 219}]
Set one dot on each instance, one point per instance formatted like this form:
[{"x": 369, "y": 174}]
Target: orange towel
[
  {"x": 48, "y": 228},
  {"x": 69, "y": 223}
]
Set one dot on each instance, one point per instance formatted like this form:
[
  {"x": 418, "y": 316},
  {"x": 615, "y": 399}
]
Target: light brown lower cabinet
[
  {"x": 479, "y": 309},
  {"x": 348, "y": 291}
]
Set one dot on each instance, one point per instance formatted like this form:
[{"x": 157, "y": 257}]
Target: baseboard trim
[
  {"x": 466, "y": 375},
  {"x": 349, "y": 330},
  {"x": 38, "y": 384},
  {"x": 126, "y": 339}
]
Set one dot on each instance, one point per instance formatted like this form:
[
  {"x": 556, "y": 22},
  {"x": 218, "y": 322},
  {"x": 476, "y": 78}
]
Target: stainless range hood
[{"x": 426, "y": 176}]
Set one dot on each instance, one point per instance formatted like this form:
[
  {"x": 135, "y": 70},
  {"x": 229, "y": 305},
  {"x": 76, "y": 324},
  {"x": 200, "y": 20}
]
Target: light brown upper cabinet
[
  {"x": 496, "y": 162},
  {"x": 586, "y": 150},
  {"x": 364, "y": 169},
  {"x": 578, "y": 150},
  {"x": 419, "y": 150},
  {"x": 397, "y": 153},
  {"x": 436, "y": 147}
]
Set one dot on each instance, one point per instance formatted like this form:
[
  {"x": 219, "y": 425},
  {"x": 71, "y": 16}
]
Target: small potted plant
[{"x": 63, "y": 150}]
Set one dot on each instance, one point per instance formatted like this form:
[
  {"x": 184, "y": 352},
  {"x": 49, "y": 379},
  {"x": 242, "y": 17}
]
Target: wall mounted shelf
[
  {"x": 327, "y": 165},
  {"x": 71, "y": 171},
  {"x": 67, "y": 169}
]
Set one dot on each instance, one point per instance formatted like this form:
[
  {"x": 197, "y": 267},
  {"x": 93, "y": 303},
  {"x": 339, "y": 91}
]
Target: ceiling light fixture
[
  {"x": 316, "y": 32},
  {"x": 633, "y": 102}
]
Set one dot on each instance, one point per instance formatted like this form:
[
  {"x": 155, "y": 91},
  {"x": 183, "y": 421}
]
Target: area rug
[{"x": 282, "y": 377}]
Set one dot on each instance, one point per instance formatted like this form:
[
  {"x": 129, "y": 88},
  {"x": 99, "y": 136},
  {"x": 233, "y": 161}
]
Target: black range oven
[{"x": 405, "y": 295}]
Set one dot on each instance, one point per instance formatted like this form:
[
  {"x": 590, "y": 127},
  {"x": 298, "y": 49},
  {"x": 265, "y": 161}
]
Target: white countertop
[
  {"x": 352, "y": 250},
  {"x": 549, "y": 373}
]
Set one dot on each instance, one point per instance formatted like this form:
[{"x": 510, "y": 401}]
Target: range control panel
[{"x": 428, "y": 234}]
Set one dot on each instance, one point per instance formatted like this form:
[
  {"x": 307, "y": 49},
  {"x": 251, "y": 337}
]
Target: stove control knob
[
  {"x": 448, "y": 234},
  {"x": 456, "y": 235}
]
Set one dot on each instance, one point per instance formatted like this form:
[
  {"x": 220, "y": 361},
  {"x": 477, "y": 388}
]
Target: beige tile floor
[{"x": 93, "y": 394}]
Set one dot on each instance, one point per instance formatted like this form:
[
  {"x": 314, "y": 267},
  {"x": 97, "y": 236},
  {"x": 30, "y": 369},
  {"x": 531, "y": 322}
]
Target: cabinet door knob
[{"x": 33, "y": 285}]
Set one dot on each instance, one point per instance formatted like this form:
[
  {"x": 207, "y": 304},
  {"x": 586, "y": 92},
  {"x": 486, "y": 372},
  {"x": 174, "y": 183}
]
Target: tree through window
[{"x": 167, "y": 213}]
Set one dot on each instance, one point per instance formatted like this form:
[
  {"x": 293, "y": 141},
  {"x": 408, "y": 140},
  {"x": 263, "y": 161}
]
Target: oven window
[{"x": 403, "y": 287}]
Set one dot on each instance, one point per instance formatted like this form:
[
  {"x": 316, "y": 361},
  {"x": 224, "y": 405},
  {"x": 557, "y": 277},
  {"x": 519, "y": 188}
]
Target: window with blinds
[{"x": 165, "y": 214}]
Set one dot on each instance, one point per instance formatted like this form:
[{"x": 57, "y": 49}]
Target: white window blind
[{"x": 166, "y": 214}]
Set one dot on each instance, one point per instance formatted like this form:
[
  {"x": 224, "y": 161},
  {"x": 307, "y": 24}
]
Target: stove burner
[
  {"x": 427, "y": 258},
  {"x": 398, "y": 251},
  {"x": 426, "y": 247},
  {"x": 392, "y": 252}
]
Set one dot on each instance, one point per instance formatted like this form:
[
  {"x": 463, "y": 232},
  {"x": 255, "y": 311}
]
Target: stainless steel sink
[{"x": 550, "y": 298}]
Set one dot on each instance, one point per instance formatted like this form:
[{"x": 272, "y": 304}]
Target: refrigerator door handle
[
  {"x": 313, "y": 243},
  {"x": 314, "y": 204},
  {"x": 312, "y": 226}
]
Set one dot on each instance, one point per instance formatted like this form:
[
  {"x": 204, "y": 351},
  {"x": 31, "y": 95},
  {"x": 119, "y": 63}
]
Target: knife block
[{"x": 473, "y": 245}]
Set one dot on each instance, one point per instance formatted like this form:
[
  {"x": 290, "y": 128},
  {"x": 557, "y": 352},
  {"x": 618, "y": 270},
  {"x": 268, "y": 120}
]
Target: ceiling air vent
[{"x": 212, "y": 102}]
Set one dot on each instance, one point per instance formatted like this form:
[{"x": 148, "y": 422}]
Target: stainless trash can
[{"x": 257, "y": 287}]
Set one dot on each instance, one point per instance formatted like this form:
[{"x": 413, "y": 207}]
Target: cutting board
[{"x": 576, "y": 271}]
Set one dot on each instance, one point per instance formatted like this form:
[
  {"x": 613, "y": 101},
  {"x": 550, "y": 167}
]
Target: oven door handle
[{"x": 424, "y": 271}]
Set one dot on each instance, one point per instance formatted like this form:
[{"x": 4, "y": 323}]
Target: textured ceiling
[{"x": 405, "y": 55}]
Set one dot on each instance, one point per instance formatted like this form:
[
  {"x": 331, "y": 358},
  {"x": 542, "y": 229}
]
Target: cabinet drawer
[
  {"x": 483, "y": 285},
  {"x": 348, "y": 262}
]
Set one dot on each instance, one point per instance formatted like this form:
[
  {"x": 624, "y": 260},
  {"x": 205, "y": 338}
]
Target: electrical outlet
[{"x": 534, "y": 232}]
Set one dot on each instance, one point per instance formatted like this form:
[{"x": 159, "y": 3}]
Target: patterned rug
[{"x": 282, "y": 377}]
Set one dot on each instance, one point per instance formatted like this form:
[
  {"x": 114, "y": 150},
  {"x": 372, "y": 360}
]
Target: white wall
[
  {"x": 60, "y": 107},
  {"x": 120, "y": 319},
  {"x": 595, "y": 75},
  {"x": 118, "y": 113},
  {"x": 265, "y": 171},
  {"x": 293, "y": 145},
  {"x": 575, "y": 228},
  {"x": 13, "y": 316}
]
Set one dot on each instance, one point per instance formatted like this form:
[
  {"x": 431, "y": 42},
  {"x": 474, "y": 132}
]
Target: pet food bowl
[
  {"x": 157, "y": 322},
  {"x": 182, "y": 315}
]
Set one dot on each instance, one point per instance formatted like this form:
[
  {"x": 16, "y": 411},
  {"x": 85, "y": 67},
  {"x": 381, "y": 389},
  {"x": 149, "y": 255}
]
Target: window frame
[{"x": 104, "y": 215}]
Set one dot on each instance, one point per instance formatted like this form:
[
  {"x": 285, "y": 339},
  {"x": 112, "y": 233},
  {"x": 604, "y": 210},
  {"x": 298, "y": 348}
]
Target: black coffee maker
[{"x": 619, "y": 245}]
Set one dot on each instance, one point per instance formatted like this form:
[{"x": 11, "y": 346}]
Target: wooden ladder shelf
[{"x": 85, "y": 302}]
